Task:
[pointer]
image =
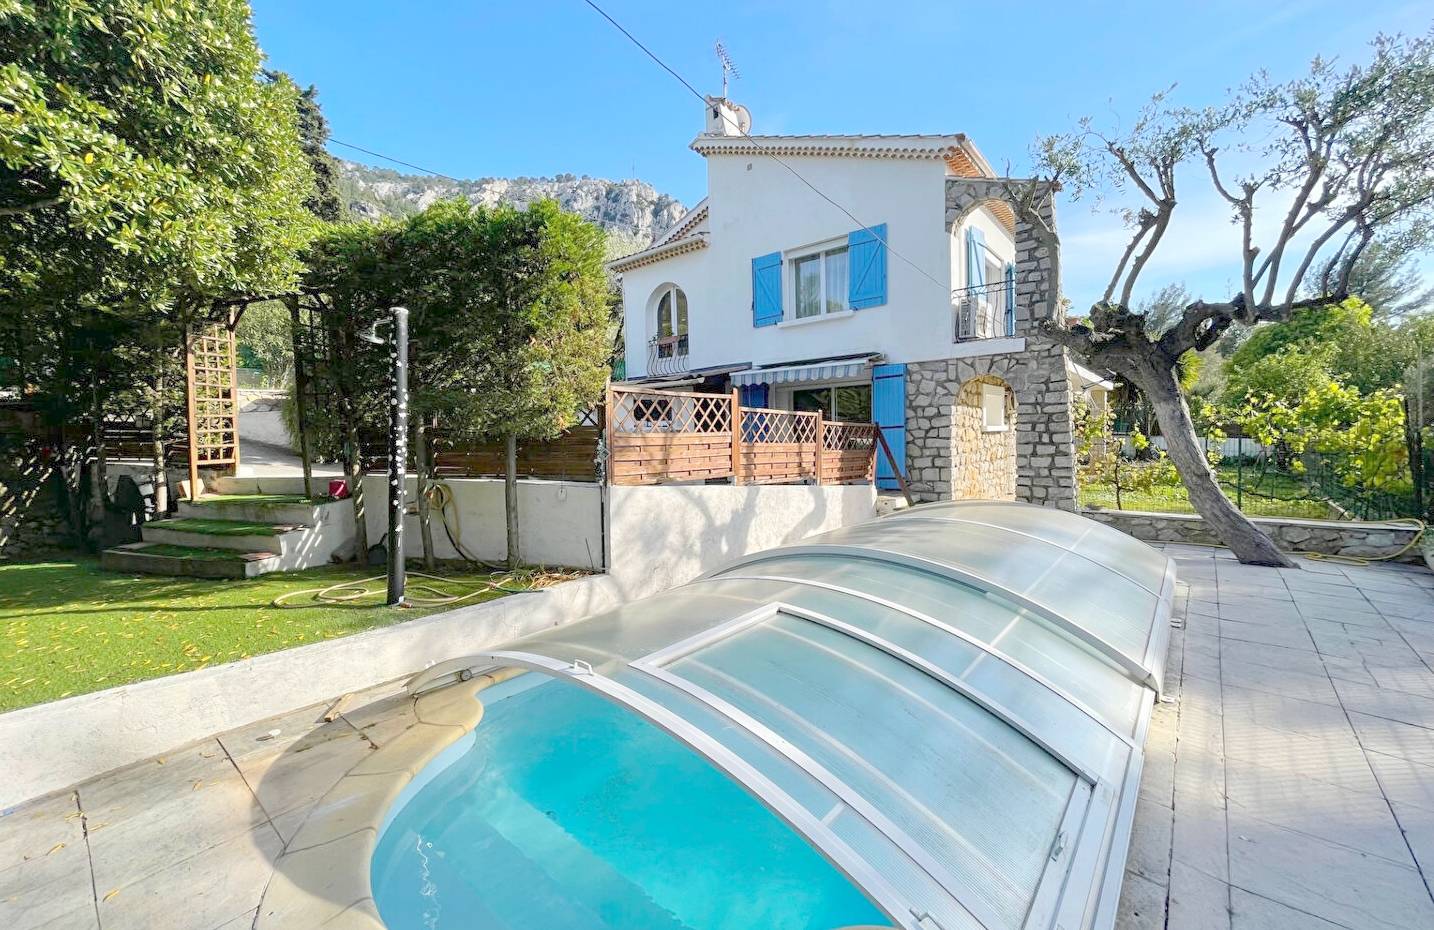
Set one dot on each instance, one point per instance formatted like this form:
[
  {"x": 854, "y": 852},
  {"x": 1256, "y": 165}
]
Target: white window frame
[
  {"x": 788, "y": 401},
  {"x": 993, "y": 401},
  {"x": 789, "y": 285},
  {"x": 672, "y": 290}
]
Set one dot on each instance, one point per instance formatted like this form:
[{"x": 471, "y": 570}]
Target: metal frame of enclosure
[{"x": 949, "y": 703}]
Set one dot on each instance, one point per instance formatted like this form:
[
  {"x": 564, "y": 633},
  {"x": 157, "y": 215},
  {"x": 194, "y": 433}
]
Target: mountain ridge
[{"x": 632, "y": 211}]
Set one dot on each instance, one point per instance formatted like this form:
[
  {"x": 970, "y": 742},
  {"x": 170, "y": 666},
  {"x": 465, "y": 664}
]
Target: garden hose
[
  {"x": 440, "y": 497},
  {"x": 1406, "y": 523},
  {"x": 346, "y": 591}
]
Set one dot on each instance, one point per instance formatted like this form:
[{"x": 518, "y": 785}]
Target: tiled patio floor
[{"x": 1289, "y": 780}]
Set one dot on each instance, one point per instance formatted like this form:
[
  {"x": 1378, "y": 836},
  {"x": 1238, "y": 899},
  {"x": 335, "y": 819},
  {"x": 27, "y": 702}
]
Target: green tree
[
  {"x": 147, "y": 175},
  {"x": 1341, "y": 155},
  {"x": 140, "y": 146},
  {"x": 325, "y": 201},
  {"x": 1386, "y": 277},
  {"x": 508, "y": 313},
  {"x": 544, "y": 345}
]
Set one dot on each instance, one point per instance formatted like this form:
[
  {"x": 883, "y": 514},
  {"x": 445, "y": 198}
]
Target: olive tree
[{"x": 1337, "y": 159}]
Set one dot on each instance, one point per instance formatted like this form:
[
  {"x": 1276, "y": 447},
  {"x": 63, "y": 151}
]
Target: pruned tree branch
[{"x": 29, "y": 207}]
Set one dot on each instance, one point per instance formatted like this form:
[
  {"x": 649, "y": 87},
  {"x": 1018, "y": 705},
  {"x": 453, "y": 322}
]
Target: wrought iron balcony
[
  {"x": 667, "y": 355},
  {"x": 980, "y": 312}
]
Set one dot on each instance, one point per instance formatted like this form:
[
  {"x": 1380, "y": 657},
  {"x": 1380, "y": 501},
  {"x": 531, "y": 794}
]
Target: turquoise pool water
[{"x": 568, "y": 812}]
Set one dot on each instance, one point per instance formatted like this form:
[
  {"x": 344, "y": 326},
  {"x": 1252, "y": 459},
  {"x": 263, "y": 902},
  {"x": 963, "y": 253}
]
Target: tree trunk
[
  {"x": 1414, "y": 445},
  {"x": 421, "y": 468},
  {"x": 72, "y": 459},
  {"x": 99, "y": 480},
  {"x": 156, "y": 449},
  {"x": 1246, "y": 540},
  {"x": 342, "y": 341},
  {"x": 510, "y": 496}
]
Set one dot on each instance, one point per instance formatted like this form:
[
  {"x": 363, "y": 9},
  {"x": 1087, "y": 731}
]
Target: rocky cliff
[{"x": 631, "y": 211}]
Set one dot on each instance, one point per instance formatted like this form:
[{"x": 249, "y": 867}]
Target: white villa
[{"x": 913, "y": 317}]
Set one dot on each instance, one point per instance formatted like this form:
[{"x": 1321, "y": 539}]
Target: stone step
[
  {"x": 262, "y": 508},
  {"x": 187, "y": 561},
  {"x": 239, "y": 535}
]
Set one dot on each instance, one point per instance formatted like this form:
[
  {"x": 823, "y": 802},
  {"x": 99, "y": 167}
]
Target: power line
[
  {"x": 396, "y": 161},
  {"x": 762, "y": 148}
]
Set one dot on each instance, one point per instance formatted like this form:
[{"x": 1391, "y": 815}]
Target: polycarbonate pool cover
[{"x": 949, "y": 703}]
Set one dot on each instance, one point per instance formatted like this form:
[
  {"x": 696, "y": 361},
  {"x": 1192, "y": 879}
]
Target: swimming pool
[
  {"x": 566, "y": 811},
  {"x": 934, "y": 722}
]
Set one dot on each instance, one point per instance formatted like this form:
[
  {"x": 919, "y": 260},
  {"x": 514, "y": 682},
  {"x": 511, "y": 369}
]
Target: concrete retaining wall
[
  {"x": 673, "y": 533},
  {"x": 51, "y": 746},
  {"x": 261, "y": 418},
  {"x": 661, "y": 536},
  {"x": 1363, "y": 540},
  {"x": 559, "y": 522}
]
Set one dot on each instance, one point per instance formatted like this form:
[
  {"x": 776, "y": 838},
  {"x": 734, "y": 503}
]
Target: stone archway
[
  {"x": 1036, "y": 373},
  {"x": 983, "y": 440}
]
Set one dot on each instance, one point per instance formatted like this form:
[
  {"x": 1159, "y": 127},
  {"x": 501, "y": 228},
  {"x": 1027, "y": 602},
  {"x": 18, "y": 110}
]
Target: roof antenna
[{"x": 728, "y": 68}]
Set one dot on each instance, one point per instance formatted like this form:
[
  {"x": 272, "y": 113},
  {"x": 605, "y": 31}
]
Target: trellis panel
[{"x": 212, "y": 399}]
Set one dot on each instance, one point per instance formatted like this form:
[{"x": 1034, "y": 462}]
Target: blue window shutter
[
  {"x": 975, "y": 260},
  {"x": 866, "y": 267},
  {"x": 1010, "y": 299},
  {"x": 753, "y": 395},
  {"x": 767, "y": 290},
  {"x": 888, "y": 409}
]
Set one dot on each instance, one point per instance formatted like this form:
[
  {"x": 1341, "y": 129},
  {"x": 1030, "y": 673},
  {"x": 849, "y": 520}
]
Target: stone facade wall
[
  {"x": 1362, "y": 540},
  {"x": 1044, "y": 435},
  {"x": 983, "y": 463},
  {"x": 32, "y": 522}
]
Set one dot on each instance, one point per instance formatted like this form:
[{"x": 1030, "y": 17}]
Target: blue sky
[{"x": 497, "y": 88}]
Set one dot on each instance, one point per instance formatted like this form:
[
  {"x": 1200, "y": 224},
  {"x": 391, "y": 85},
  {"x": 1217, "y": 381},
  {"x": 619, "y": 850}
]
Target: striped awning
[{"x": 828, "y": 369}]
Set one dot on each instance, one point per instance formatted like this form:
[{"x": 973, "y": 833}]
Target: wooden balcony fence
[
  {"x": 660, "y": 436},
  {"x": 571, "y": 456}
]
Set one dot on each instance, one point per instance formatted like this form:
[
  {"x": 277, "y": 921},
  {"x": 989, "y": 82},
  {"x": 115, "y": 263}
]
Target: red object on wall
[{"x": 338, "y": 488}]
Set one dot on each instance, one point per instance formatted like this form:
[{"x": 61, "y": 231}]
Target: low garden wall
[
  {"x": 668, "y": 534},
  {"x": 32, "y": 523},
  {"x": 659, "y": 536},
  {"x": 1362, "y": 540}
]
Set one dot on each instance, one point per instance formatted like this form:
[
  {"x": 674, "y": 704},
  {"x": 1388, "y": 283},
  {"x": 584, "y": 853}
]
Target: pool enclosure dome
[{"x": 948, "y": 703}]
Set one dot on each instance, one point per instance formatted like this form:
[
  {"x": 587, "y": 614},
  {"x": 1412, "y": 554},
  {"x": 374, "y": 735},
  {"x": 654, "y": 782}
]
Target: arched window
[{"x": 671, "y": 322}]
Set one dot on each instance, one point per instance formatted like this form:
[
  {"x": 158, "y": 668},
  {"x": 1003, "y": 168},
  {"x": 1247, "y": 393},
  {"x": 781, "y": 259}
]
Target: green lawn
[
  {"x": 1273, "y": 495},
  {"x": 66, "y": 627}
]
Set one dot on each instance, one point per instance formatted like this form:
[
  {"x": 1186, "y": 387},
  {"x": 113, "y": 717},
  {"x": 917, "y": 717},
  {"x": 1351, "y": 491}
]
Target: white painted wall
[
  {"x": 668, "y": 534},
  {"x": 661, "y": 536},
  {"x": 261, "y": 419},
  {"x": 757, "y": 207},
  {"x": 559, "y": 522},
  {"x": 998, "y": 241}
]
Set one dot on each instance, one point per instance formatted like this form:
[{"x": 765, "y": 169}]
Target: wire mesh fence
[{"x": 1261, "y": 481}]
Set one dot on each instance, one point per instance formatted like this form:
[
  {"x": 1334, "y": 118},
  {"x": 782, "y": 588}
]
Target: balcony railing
[
  {"x": 664, "y": 436},
  {"x": 980, "y": 312},
  {"x": 667, "y": 355}
]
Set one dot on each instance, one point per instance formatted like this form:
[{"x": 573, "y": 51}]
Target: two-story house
[{"x": 874, "y": 278}]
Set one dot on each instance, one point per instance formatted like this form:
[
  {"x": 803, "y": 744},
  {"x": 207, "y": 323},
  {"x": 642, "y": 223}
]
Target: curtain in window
[
  {"x": 809, "y": 286},
  {"x": 836, "y": 274}
]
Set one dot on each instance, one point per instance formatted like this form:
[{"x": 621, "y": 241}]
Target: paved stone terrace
[{"x": 1289, "y": 781}]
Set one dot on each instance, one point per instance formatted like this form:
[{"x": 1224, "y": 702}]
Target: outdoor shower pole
[{"x": 397, "y": 454}]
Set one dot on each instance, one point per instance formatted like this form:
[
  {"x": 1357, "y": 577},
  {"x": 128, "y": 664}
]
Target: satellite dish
[{"x": 744, "y": 117}]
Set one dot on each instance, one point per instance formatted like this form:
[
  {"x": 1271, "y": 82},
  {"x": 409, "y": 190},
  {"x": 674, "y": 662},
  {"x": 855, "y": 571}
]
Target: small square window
[{"x": 993, "y": 407}]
